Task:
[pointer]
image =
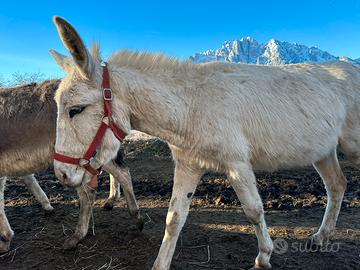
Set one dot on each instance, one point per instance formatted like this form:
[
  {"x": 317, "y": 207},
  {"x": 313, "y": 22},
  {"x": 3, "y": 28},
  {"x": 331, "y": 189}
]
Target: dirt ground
[{"x": 216, "y": 235}]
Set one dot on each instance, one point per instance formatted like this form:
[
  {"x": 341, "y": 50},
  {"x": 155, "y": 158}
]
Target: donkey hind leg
[
  {"x": 242, "y": 179},
  {"x": 6, "y": 233},
  {"x": 335, "y": 184},
  {"x": 122, "y": 175},
  {"x": 114, "y": 193},
  {"x": 33, "y": 185},
  {"x": 86, "y": 199},
  {"x": 185, "y": 182}
]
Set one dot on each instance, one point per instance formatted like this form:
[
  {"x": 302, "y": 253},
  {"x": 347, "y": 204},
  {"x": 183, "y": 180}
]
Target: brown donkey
[{"x": 27, "y": 132}]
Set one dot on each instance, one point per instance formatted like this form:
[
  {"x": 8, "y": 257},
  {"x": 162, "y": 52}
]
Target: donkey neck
[{"x": 158, "y": 105}]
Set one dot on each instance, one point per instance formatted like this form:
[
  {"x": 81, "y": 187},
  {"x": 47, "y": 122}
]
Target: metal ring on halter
[
  {"x": 105, "y": 120},
  {"x": 83, "y": 162}
]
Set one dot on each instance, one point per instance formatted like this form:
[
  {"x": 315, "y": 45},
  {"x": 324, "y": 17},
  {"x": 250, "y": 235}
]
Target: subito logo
[{"x": 280, "y": 246}]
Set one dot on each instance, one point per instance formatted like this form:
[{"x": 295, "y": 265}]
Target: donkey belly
[
  {"x": 25, "y": 147},
  {"x": 295, "y": 140},
  {"x": 24, "y": 161},
  {"x": 294, "y": 151}
]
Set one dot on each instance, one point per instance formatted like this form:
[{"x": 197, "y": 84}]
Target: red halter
[{"x": 88, "y": 162}]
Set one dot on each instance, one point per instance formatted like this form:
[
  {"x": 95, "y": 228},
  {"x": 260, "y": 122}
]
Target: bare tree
[
  {"x": 2, "y": 81},
  {"x": 18, "y": 78},
  {"x": 26, "y": 78}
]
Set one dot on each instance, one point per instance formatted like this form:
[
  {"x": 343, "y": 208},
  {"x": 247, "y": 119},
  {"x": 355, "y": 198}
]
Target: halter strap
[{"x": 88, "y": 162}]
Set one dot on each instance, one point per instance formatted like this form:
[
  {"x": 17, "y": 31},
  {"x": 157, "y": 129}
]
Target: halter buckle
[
  {"x": 95, "y": 163},
  {"x": 107, "y": 94}
]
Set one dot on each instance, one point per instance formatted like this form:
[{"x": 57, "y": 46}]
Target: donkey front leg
[
  {"x": 122, "y": 175},
  {"x": 335, "y": 184},
  {"x": 6, "y": 233},
  {"x": 242, "y": 179},
  {"x": 33, "y": 185},
  {"x": 185, "y": 182},
  {"x": 86, "y": 198},
  {"x": 114, "y": 193}
]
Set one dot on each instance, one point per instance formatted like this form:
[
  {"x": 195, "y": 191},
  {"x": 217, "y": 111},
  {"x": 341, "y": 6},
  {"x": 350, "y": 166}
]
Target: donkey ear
[
  {"x": 63, "y": 61},
  {"x": 73, "y": 42}
]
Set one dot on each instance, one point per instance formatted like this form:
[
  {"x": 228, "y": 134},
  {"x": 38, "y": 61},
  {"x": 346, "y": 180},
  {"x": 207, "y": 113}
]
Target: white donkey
[
  {"x": 27, "y": 132},
  {"x": 224, "y": 117}
]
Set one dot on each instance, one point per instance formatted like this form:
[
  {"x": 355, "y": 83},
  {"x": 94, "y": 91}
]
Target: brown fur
[{"x": 33, "y": 108}]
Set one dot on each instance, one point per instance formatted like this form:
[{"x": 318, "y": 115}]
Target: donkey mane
[
  {"x": 142, "y": 61},
  {"x": 145, "y": 61}
]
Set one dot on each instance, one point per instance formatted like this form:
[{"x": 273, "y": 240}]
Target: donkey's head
[{"x": 80, "y": 106}]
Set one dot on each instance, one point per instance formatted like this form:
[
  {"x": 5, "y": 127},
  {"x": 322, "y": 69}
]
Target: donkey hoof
[
  {"x": 315, "y": 242},
  {"x": 261, "y": 265},
  {"x": 265, "y": 267},
  {"x": 48, "y": 208},
  {"x": 4, "y": 247},
  {"x": 71, "y": 243},
  {"x": 108, "y": 205},
  {"x": 139, "y": 224},
  {"x": 136, "y": 227},
  {"x": 4, "y": 244}
]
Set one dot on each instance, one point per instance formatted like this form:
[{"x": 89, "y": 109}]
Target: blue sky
[{"x": 175, "y": 28}]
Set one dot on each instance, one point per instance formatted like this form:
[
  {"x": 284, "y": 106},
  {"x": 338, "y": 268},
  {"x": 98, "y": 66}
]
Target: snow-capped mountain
[
  {"x": 347, "y": 59},
  {"x": 248, "y": 50}
]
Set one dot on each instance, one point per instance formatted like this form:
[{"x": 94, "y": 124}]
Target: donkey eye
[{"x": 75, "y": 111}]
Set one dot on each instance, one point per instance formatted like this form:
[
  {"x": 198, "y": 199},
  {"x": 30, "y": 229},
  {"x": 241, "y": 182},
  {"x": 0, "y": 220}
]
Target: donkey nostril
[{"x": 64, "y": 176}]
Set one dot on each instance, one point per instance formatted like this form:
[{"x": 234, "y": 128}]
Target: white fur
[{"x": 226, "y": 117}]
